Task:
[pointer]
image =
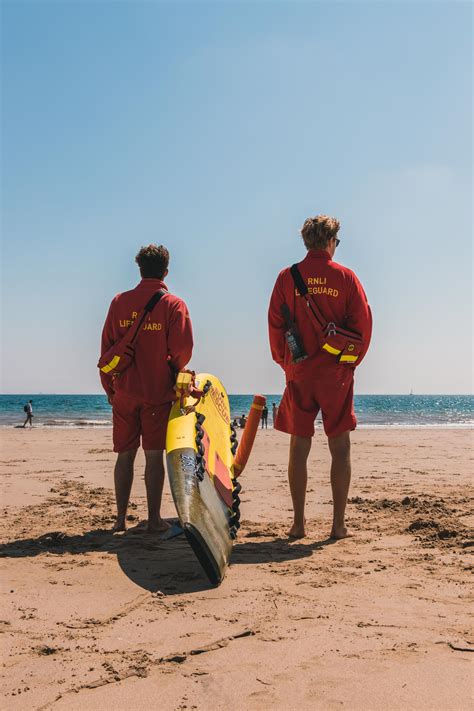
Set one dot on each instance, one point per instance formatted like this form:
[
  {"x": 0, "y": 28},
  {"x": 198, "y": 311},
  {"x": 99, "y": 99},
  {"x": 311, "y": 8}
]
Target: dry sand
[{"x": 379, "y": 621}]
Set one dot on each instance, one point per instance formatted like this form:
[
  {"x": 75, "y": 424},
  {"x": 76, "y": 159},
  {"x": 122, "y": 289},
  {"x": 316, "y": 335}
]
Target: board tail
[{"x": 204, "y": 555}]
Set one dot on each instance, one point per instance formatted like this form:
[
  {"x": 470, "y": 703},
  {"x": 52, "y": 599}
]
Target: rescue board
[{"x": 200, "y": 450}]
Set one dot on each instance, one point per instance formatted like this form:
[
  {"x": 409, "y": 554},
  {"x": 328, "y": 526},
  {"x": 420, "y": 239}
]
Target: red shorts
[
  {"x": 133, "y": 419},
  {"x": 332, "y": 392}
]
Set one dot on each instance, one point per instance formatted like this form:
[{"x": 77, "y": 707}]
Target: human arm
[
  {"x": 180, "y": 336},
  {"x": 359, "y": 315},
  {"x": 107, "y": 342},
  {"x": 276, "y": 323}
]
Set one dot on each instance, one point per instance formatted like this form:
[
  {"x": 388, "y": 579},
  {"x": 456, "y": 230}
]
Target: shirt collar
[
  {"x": 153, "y": 284},
  {"x": 319, "y": 254}
]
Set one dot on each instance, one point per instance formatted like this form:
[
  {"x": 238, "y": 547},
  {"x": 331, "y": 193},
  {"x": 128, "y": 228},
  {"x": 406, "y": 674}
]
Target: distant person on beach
[
  {"x": 28, "y": 408},
  {"x": 274, "y": 411},
  {"x": 265, "y": 417},
  {"x": 242, "y": 422},
  {"x": 322, "y": 376},
  {"x": 141, "y": 396}
]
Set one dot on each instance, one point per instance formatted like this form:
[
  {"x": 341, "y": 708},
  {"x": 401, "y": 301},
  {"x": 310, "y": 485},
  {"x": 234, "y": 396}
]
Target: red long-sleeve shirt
[
  {"x": 341, "y": 299},
  {"x": 166, "y": 343}
]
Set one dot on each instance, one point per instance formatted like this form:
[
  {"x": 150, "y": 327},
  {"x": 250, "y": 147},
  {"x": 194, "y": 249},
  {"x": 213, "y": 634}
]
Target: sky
[{"x": 216, "y": 129}]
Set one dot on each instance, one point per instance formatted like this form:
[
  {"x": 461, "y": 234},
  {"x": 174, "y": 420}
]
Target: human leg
[
  {"x": 126, "y": 437},
  {"x": 336, "y": 395},
  {"x": 340, "y": 448},
  {"x": 154, "y": 480},
  {"x": 123, "y": 478},
  {"x": 154, "y": 422},
  {"x": 298, "y": 478},
  {"x": 296, "y": 416}
]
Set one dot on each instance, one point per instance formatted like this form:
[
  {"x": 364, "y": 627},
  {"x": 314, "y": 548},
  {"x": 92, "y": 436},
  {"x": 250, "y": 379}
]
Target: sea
[{"x": 395, "y": 411}]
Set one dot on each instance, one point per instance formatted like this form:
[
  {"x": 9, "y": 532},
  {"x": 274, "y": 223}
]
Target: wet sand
[{"x": 92, "y": 620}]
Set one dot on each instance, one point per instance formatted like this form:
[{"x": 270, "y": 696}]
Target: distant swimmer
[
  {"x": 28, "y": 408},
  {"x": 274, "y": 411},
  {"x": 265, "y": 417},
  {"x": 141, "y": 396},
  {"x": 320, "y": 327}
]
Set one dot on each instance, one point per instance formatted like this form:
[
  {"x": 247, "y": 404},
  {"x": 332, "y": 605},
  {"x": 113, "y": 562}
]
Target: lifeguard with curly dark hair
[
  {"x": 319, "y": 333},
  {"x": 142, "y": 395}
]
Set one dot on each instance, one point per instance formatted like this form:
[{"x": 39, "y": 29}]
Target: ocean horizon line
[
  {"x": 247, "y": 394},
  {"x": 378, "y": 409}
]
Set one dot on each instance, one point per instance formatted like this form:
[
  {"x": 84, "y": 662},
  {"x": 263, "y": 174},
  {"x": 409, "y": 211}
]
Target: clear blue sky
[{"x": 216, "y": 129}]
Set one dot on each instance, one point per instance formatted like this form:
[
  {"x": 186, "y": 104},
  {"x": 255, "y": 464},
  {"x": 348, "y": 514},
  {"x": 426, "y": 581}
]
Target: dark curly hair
[
  {"x": 317, "y": 231},
  {"x": 153, "y": 261}
]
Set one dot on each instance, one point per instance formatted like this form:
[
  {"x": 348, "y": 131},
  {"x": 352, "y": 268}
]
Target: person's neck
[{"x": 321, "y": 249}]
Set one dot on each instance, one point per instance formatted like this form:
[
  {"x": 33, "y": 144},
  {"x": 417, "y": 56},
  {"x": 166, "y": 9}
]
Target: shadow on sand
[{"x": 168, "y": 566}]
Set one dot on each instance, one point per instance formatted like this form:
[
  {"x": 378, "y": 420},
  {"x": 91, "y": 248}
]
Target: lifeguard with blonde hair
[{"x": 319, "y": 333}]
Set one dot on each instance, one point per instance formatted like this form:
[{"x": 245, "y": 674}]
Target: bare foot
[
  {"x": 119, "y": 526},
  {"x": 157, "y": 526},
  {"x": 297, "y": 531},
  {"x": 140, "y": 527},
  {"x": 340, "y": 532}
]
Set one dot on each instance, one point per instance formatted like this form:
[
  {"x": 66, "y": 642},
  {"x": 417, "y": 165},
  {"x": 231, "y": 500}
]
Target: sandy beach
[{"x": 92, "y": 620}]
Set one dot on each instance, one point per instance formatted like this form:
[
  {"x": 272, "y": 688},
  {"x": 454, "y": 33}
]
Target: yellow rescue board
[{"x": 200, "y": 448}]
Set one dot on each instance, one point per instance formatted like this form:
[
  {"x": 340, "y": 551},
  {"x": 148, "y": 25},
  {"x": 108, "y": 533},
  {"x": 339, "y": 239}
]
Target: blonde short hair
[{"x": 317, "y": 231}]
